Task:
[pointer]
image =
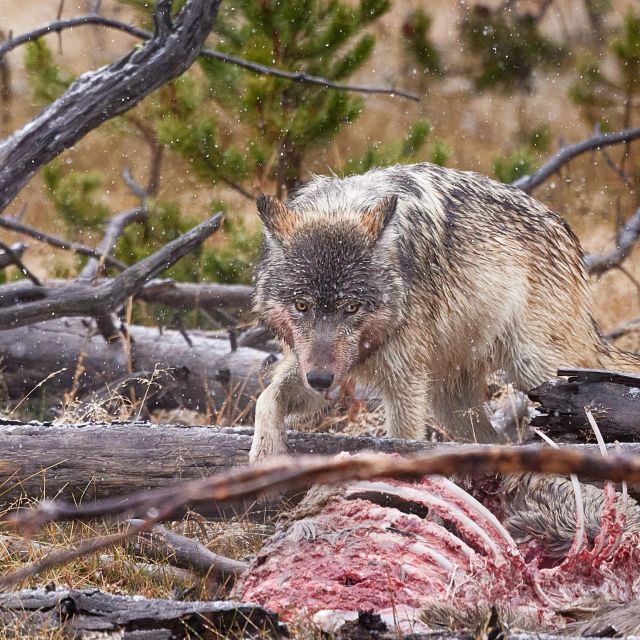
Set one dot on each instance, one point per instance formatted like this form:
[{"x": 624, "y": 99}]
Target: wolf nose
[{"x": 319, "y": 379}]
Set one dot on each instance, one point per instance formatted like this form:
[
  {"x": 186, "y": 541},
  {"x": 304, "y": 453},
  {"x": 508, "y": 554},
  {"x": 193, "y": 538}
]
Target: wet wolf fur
[{"x": 421, "y": 281}]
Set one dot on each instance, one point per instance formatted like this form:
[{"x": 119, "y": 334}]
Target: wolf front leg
[
  {"x": 406, "y": 406},
  {"x": 286, "y": 395}
]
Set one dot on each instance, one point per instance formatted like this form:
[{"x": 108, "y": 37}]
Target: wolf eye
[
  {"x": 352, "y": 307},
  {"x": 301, "y": 306}
]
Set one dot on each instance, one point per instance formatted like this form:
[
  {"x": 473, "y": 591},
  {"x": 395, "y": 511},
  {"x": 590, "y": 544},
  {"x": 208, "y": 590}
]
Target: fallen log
[
  {"x": 613, "y": 399},
  {"x": 93, "y": 461},
  {"x": 216, "y": 376},
  {"x": 36, "y": 611}
]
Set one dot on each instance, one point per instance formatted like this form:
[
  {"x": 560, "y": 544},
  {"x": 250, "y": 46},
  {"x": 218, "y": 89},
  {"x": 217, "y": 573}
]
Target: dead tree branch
[
  {"x": 115, "y": 228},
  {"x": 186, "y": 553},
  {"x": 17, "y": 249},
  {"x": 529, "y": 183},
  {"x": 282, "y": 475},
  {"x": 15, "y": 259},
  {"x": 295, "y": 76},
  {"x": 623, "y": 329},
  {"x": 82, "y": 299},
  {"x": 178, "y": 295},
  {"x": 100, "y": 95},
  {"x": 13, "y": 225},
  {"x": 628, "y": 235}
]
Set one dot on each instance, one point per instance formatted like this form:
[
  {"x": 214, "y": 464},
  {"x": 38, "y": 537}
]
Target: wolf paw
[{"x": 268, "y": 445}]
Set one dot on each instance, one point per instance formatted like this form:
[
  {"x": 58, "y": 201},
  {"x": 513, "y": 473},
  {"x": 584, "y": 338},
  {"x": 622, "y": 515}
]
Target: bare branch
[
  {"x": 294, "y": 76},
  {"x": 100, "y": 95},
  {"x": 179, "y": 295},
  {"x": 628, "y": 235},
  {"x": 623, "y": 329},
  {"x": 115, "y": 228},
  {"x": 13, "y": 224},
  {"x": 162, "y": 543},
  {"x": 82, "y": 299},
  {"x": 17, "y": 249},
  {"x": 529, "y": 183},
  {"x": 15, "y": 259}
]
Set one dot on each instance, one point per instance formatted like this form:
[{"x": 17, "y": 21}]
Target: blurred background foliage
[{"x": 219, "y": 135}]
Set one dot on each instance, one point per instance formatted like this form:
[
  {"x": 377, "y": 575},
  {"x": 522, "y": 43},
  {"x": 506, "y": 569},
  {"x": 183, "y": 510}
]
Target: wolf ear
[
  {"x": 376, "y": 220},
  {"x": 278, "y": 219}
]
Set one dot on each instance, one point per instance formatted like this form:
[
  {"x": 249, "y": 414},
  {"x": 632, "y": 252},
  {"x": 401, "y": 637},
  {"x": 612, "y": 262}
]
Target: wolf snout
[{"x": 320, "y": 380}]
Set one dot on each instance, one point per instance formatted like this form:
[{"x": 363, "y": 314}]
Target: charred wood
[
  {"x": 613, "y": 398},
  {"x": 36, "y": 611}
]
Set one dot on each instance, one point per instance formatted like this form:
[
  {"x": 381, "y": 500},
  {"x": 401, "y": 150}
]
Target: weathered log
[
  {"x": 100, "y": 460},
  {"x": 216, "y": 375},
  {"x": 613, "y": 398},
  {"x": 34, "y": 611}
]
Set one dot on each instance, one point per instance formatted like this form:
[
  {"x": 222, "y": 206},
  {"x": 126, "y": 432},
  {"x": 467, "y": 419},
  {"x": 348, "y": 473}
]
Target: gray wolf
[{"x": 419, "y": 280}]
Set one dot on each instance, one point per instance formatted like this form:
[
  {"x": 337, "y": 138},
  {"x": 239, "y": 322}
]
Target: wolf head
[{"x": 329, "y": 285}]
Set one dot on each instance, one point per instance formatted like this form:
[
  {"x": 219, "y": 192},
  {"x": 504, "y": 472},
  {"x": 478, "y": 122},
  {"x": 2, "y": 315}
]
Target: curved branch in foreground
[
  {"x": 100, "y": 95},
  {"x": 283, "y": 475},
  {"x": 628, "y": 235},
  {"x": 82, "y": 299},
  {"x": 529, "y": 183},
  {"x": 295, "y": 76}
]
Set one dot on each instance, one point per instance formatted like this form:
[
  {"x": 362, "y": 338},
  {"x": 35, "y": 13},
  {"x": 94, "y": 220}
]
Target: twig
[
  {"x": 529, "y": 183},
  {"x": 628, "y": 235},
  {"x": 15, "y": 258},
  {"x": 82, "y": 299},
  {"x": 134, "y": 187},
  {"x": 623, "y": 329},
  {"x": 12, "y": 224},
  {"x": 18, "y": 249},
  {"x": 115, "y": 228},
  {"x": 294, "y": 76}
]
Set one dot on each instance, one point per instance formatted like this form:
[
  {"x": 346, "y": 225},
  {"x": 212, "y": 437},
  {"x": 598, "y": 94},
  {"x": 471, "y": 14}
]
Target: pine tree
[
  {"x": 507, "y": 47},
  {"x": 598, "y": 92}
]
